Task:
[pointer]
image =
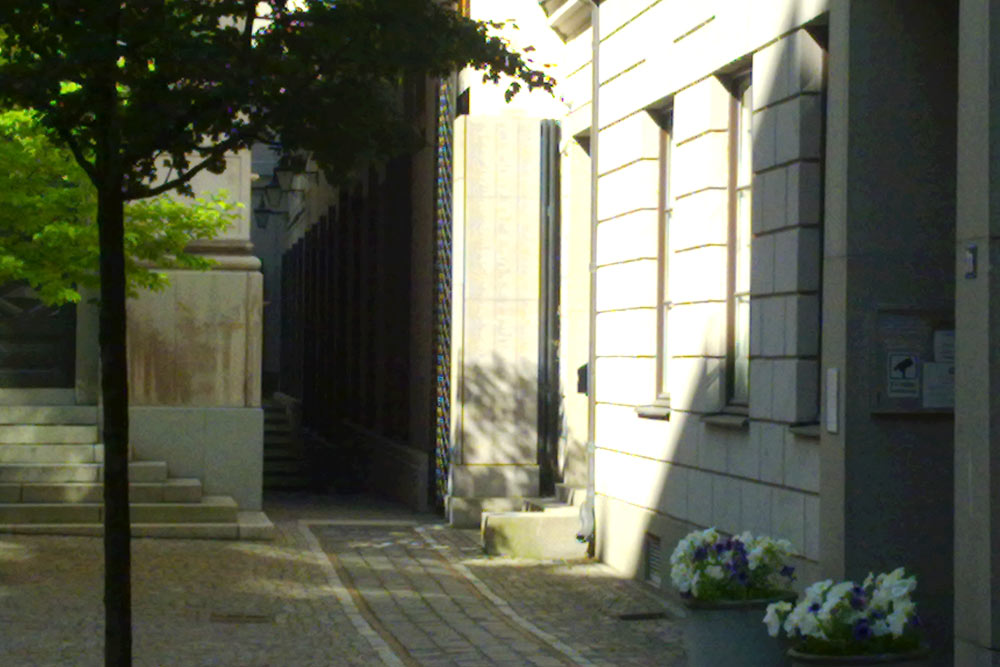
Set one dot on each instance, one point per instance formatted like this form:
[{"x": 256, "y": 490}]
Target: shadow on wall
[{"x": 498, "y": 421}]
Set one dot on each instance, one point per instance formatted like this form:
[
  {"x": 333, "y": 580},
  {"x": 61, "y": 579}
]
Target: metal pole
[{"x": 587, "y": 517}]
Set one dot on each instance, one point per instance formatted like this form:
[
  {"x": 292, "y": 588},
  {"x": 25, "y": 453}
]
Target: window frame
[
  {"x": 659, "y": 408},
  {"x": 737, "y": 399},
  {"x": 664, "y": 211}
]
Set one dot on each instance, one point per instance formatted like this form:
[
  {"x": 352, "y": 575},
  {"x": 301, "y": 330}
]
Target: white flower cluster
[
  {"x": 879, "y": 607},
  {"x": 707, "y": 559}
]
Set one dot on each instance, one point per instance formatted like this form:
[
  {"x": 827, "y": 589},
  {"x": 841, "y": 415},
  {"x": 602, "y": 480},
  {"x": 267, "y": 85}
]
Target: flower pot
[
  {"x": 731, "y": 633},
  {"x": 917, "y": 658}
]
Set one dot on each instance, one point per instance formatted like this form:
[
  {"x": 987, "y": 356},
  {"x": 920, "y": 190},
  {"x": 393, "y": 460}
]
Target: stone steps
[
  {"x": 211, "y": 509},
  {"x": 548, "y": 534},
  {"x": 283, "y": 465},
  {"x": 170, "y": 491},
  {"x": 48, "y": 414},
  {"x": 23, "y": 434},
  {"x": 51, "y": 474},
  {"x": 138, "y": 471},
  {"x": 545, "y": 528}
]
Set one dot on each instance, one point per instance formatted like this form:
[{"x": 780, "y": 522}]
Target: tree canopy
[
  {"x": 188, "y": 80},
  {"x": 146, "y": 94},
  {"x": 48, "y": 227}
]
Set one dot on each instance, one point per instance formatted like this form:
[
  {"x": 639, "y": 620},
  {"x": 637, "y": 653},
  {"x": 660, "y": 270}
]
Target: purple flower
[
  {"x": 815, "y": 607},
  {"x": 857, "y": 602},
  {"x": 788, "y": 572},
  {"x": 862, "y": 630},
  {"x": 701, "y": 553}
]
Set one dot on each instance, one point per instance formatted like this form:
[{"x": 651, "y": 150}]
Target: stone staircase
[
  {"x": 51, "y": 474},
  {"x": 284, "y": 467},
  {"x": 545, "y": 528}
]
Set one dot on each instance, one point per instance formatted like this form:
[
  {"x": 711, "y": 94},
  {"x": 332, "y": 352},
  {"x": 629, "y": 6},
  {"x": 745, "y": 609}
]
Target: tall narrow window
[
  {"x": 740, "y": 179},
  {"x": 664, "y": 208}
]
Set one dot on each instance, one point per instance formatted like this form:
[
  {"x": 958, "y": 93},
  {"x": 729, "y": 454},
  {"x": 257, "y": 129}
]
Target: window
[
  {"x": 660, "y": 407},
  {"x": 740, "y": 180},
  {"x": 664, "y": 209}
]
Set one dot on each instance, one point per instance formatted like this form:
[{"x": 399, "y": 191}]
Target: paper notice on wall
[
  {"x": 944, "y": 346},
  {"x": 939, "y": 384}
]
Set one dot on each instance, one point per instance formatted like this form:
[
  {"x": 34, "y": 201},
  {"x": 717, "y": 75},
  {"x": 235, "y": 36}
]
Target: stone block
[
  {"x": 16, "y": 434},
  {"x": 674, "y": 493},
  {"x": 626, "y": 380},
  {"x": 796, "y": 388},
  {"x": 468, "y": 512},
  {"x": 255, "y": 526},
  {"x": 762, "y": 265},
  {"x": 48, "y": 414},
  {"x": 618, "y": 428},
  {"x": 812, "y": 527},
  {"x": 773, "y": 325},
  {"x": 696, "y": 383},
  {"x": 485, "y": 481},
  {"x": 631, "y": 188},
  {"x": 797, "y": 260},
  {"x": 634, "y": 138},
  {"x": 628, "y": 285},
  {"x": 799, "y": 128},
  {"x": 700, "y": 164},
  {"x": 765, "y": 129},
  {"x": 804, "y": 203},
  {"x": 698, "y": 275},
  {"x": 627, "y": 332},
  {"x": 771, "y": 187},
  {"x": 761, "y": 388},
  {"x": 771, "y": 443},
  {"x": 699, "y": 497},
  {"x": 697, "y": 329},
  {"x": 726, "y": 504},
  {"x": 700, "y": 108},
  {"x": 788, "y": 517},
  {"x": 700, "y": 219},
  {"x": 743, "y": 459},
  {"x": 628, "y": 237},
  {"x": 801, "y": 462},
  {"x": 802, "y": 325},
  {"x": 714, "y": 450},
  {"x": 537, "y": 535},
  {"x": 789, "y": 66},
  {"x": 756, "y": 507}
]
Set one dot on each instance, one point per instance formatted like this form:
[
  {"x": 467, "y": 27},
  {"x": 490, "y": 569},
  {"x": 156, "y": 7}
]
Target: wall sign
[{"x": 913, "y": 361}]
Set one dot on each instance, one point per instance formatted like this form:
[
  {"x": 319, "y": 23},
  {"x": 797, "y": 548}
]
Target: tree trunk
[{"x": 114, "y": 387}]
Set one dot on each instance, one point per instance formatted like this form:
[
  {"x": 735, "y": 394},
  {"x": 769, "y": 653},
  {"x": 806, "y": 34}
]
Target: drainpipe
[{"x": 587, "y": 518}]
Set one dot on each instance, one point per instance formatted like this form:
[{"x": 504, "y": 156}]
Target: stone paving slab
[{"x": 346, "y": 582}]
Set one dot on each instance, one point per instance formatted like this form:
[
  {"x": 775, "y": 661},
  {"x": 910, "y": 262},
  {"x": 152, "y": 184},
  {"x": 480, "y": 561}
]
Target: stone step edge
[{"x": 244, "y": 528}]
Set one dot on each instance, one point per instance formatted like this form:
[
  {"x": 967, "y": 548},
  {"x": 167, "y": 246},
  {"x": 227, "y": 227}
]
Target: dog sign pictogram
[{"x": 904, "y": 375}]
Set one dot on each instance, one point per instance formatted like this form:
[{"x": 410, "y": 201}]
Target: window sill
[
  {"x": 808, "y": 430},
  {"x": 655, "y": 411},
  {"x": 737, "y": 422}
]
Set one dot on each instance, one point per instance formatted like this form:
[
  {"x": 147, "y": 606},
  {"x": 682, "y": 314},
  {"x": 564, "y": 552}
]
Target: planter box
[
  {"x": 732, "y": 634},
  {"x": 916, "y": 658}
]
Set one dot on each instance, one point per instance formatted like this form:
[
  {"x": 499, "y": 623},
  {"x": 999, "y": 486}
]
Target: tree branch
[
  {"x": 78, "y": 155},
  {"x": 141, "y": 192}
]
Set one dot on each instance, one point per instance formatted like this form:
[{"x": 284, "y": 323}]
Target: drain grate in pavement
[
  {"x": 643, "y": 616},
  {"x": 241, "y": 618}
]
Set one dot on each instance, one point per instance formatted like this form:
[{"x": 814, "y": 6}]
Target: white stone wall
[{"x": 669, "y": 476}]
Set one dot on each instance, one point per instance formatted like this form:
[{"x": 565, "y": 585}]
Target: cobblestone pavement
[{"x": 348, "y": 581}]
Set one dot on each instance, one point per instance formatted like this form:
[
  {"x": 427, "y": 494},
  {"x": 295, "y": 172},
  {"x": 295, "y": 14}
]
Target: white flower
[
  {"x": 755, "y": 557},
  {"x": 775, "y": 612},
  {"x": 901, "y": 613},
  {"x": 715, "y": 572}
]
